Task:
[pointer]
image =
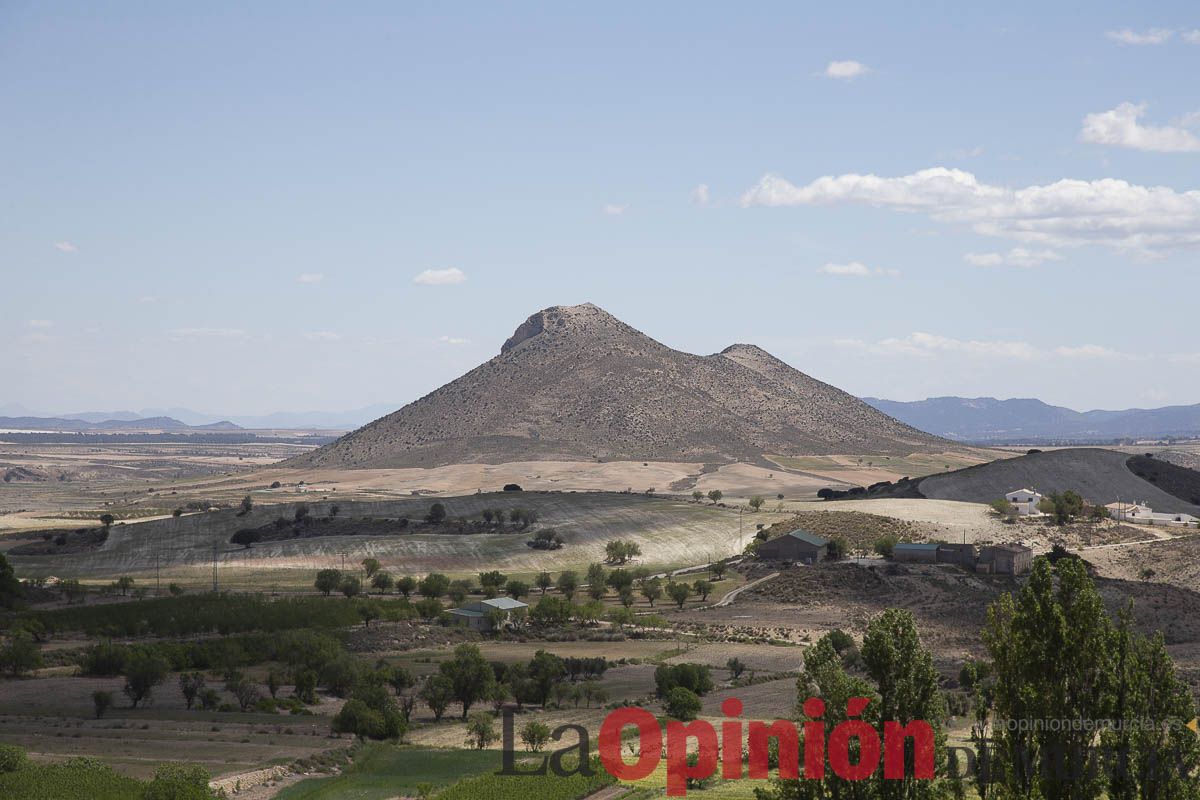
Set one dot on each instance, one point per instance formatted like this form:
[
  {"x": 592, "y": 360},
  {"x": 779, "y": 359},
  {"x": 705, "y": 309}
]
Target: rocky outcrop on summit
[{"x": 574, "y": 383}]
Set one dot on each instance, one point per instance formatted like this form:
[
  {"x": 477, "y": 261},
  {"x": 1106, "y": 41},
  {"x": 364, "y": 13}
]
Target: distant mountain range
[
  {"x": 18, "y": 417},
  {"x": 986, "y": 419}
]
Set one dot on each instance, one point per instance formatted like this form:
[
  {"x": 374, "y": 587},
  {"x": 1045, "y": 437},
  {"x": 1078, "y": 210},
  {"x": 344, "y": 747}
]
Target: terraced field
[{"x": 669, "y": 532}]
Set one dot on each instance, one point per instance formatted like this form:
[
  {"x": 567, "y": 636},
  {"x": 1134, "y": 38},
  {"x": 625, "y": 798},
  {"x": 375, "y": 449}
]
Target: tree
[
  {"x": 1003, "y": 508},
  {"x": 682, "y": 704},
  {"x": 434, "y": 584},
  {"x": 535, "y": 735},
  {"x": 652, "y": 590},
  {"x": 597, "y": 578},
  {"x": 382, "y": 582},
  {"x": 438, "y": 692},
  {"x": 190, "y": 686},
  {"x": 543, "y": 581},
  {"x": 620, "y": 551},
  {"x": 101, "y": 702},
  {"x": 400, "y": 679},
  {"x": 373, "y": 713},
  {"x": 835, "y": 549},
  {"x": 179, "y": 782},
  {"x": 715, "y": 496},
  {"x": 124, "y": 583},
  {"x": 143, "y": 671},
  {"x": 736, "y": 667},
  {"x": 302, "y": 513},
  {"x": 274, "y": 682},
  {"x": 20, "y": 654},
  {"x": 544, "y": 670},
  {"x": 1061, "y": 506},
  {"x": 350, "y": 586},
  {"x": 405, "y": 585},
  {"x": 491, "y": 582},
  {"x": 702, "y": 588},
  {"x": 756, "y": 502},
  {"x": 327, "y": 581},
  {"x": 368, "y": 611},
  {"x": 370, "y": 566},
  {"x": 620, "y": 579},
  {"x": 626, "y": 596},
  {"x": 470, "y": 675},
  {"x": 458, "y": 590},
  {"x": 547, "y": 539},
  {"x": 884, "y": 545},
  {"x": 697, "y": 495},
  {"x": 358, "y": 718},
  {"x": 679, "y": 592},
  {"x": 247, "y": 506},
  {"x": 1053, "y": 649},
  {"x": 718, "y": 570},
  {"x": 107, "y": 520},
  {"x": 246, "y": 692},
  {"x": 481, "y": 731},
  {"x": 437, "y": 513},
  {"x": 246, "y": 537},
  {"x": 516, "y": 589},
  {"x": 567, "y": 584}
]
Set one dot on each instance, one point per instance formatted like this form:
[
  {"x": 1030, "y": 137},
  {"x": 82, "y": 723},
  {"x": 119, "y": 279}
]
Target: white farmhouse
[
  {"x": 1143, "y": 514},
  {"x": 1025, "y": 501}
]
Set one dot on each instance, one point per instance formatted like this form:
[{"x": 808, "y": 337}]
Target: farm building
[
  {"x": 964, "y": 555},
  {"x": 1025, "y": 501},
  {"x": 908, "y": 551},
  {"x": 481, "y": 616},
  {"x": 1140, "y": 513},
  {"x": 798, "y": 545},
  {"x": 1005, "y": 559}
]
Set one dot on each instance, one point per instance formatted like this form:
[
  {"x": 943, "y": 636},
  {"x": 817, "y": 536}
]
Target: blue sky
[{"x": 229, "y": 208}]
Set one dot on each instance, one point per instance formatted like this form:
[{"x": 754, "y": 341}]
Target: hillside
[
  {"x": 986, "y": 419},
  {"x": 573, "y": 383},
  {"x": 1100, "y": 476}
]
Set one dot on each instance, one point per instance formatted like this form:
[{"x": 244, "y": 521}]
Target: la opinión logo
[{"x": 672, "y": 742}]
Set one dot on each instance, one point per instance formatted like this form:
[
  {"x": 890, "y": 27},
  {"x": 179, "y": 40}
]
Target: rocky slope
[{"x": 574, "y": 383}]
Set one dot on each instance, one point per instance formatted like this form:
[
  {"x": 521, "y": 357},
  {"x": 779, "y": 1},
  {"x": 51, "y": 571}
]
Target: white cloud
[
  {"x": 1120, "y": 127},
  {"x": 41, "y": 323},
  {"x": 614, "y": 210},
  {"x": 310, "y": 277},
  {"x": 1017, "y": 257},
  {"x": 928, "y": 344},
  {"x": 66, "y": 247},
  {"x": 322, "y": 336},
  {"x": 845, "y": 70},
  {"x": 857, "y": 269},
  {"x": 191, "y": 334},
  {"x": 1151, "y": 36},
  {"x": 700, "y": 195},
  {"x": 440, "y": 277},
  {"x": 1192, "y": 37},
  {"x": 148, "y": 298},
  {"x": 1148, "y": 220},
  {"x": 453, "y": 340},
  {"x": 1088, "y": 351}
]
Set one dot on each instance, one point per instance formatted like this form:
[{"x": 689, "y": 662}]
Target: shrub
[
  {"x": 695, "y": 677},
  {"x": 12, "y": 758},
  {"x": 682, "y": 703}
]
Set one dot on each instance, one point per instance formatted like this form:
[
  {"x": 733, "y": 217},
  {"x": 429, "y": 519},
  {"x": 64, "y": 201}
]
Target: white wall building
[
  {"x": 1025, "y": 501},
  {"x": 1142, "y": 514}
]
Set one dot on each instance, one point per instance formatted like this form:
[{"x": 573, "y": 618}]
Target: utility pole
[{"x": 214, "y": 566}]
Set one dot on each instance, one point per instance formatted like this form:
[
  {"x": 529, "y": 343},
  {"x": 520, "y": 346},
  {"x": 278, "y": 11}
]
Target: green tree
[
  {"x": 884, "y": 545},
  {"x": 143, "y": 671},
  {"x": 756, "y": 502},
  {"x": 101, "y": 701},
  {"x": 124, "y": 583},
  {"x": 327, "y": 581},
  {"x": 697, "y": 495},
  {"x": 382, "y": 582},
  {"x": 1061, "y": 506},
  {"x": 370, "y": 566},
  {"x": 471, "y": 676},
  {"x": 543, "y": 581},
  {"x": 544, "y": 670},
  {"x": 516, "y": 589},
  {"x": 369, "y": 611},
  {"x": 652, "y": 590},
  {"x": 736, "y": 667},
  {"x": 458, "y": 591},
  {"x": 567, "y": 584},
  {"x": 350, "y": 586},
  {"x": 20, "y": 654},
  {"x": 597, "y": 579},
  {"x": 437, "y": 513},
  {"x": 702, "y": 588},
  {"x": 535, "y": 735},
  {"x": 679, "y": 592},
  {"x": 190, "y": 686},
  {"x": 247, "y": 505},
  {"x": 405, "y": 585},
  {"x": 682, "y": 704},
  {"x": 491, "y": 582},
  {"x": 434, "y": 585},
  {"x": 481, "y": 731},
  {"x": 1053, "y": 649},
  {"x": 1003, "y": 508},
  {"x": 438, "y": 693},
  {"x": 715, "y": 496}
]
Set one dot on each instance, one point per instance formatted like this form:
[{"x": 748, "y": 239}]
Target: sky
[{"x": 247, "y": 208}]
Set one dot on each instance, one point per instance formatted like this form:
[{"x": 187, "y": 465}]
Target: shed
[
  {"x": 1005, "y": 559},
  {"x": 797, "y": 545},
  {"x": 479, "y": 616},
  {"x": 964, "y": 555},
  {"x": 908, "y": 551}
]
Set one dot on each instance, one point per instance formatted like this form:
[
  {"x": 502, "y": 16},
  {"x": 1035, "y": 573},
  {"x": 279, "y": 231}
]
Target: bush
[
  {"x": 695, "y": 677},
  {"x": 512, "y": 487},
  {"x": 682, "y": 703},
  {"x": 12, "y": 758}
]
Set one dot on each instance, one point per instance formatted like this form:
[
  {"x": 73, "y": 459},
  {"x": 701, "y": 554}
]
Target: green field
[{"x": 383, "y": 771}]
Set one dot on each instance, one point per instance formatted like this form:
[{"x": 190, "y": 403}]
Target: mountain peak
[{"x": 585, "y": 317}]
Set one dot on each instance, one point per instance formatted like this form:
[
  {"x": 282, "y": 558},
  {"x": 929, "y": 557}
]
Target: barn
[{"x": 798, "y": 545}]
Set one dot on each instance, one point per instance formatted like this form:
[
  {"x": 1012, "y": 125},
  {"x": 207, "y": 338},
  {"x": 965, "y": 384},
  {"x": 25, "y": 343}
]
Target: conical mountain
[{"x": 574, "y": 383}]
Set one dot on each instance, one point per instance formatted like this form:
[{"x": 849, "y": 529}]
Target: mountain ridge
[{"x": 574, "y": 383}]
